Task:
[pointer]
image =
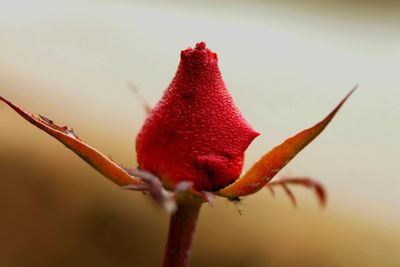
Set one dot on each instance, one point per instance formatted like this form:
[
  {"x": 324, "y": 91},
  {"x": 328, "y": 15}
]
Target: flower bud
[{"x": 195, "y": 132}]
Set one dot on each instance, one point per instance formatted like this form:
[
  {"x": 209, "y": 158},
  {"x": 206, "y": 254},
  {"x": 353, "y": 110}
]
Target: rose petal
[{"x": 195, "y": 132}]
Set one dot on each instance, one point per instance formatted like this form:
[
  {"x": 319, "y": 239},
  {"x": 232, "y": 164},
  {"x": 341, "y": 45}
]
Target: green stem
[{"x": 181, "y": 231}]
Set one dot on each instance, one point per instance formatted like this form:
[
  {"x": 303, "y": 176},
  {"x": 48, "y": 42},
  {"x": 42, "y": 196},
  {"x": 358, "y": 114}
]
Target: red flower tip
[
  {"x": 199, "y": 56},
  {"x": 195, "y": 133}
]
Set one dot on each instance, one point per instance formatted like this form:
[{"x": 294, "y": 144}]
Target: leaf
[
  {"x": 65, "y": 135},
  {"x": 302, "y": 181},
  {"x": 272, "y": 162}
]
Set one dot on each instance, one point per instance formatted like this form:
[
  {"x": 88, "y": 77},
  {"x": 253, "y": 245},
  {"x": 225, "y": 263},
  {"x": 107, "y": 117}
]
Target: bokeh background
[{"x": 286, "y": 63}]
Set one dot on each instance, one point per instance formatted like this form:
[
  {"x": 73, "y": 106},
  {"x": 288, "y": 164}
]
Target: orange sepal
[
  {"x": 96, "y": 159},
  {"x": 272, "y": 162}
]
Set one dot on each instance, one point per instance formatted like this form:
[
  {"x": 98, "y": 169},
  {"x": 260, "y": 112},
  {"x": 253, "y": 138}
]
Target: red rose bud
[{"x": 195, "y": 132}]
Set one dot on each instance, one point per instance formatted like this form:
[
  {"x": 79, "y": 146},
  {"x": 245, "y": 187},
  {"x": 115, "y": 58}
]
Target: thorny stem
[{"x": 181, "y": 231}]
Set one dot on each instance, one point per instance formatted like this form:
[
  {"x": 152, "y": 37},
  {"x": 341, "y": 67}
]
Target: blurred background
[{"x": 286, "y": 63}]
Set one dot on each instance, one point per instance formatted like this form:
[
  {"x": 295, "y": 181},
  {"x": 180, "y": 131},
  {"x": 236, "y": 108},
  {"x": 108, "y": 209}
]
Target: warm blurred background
[{"x": 286, "y": 63}]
